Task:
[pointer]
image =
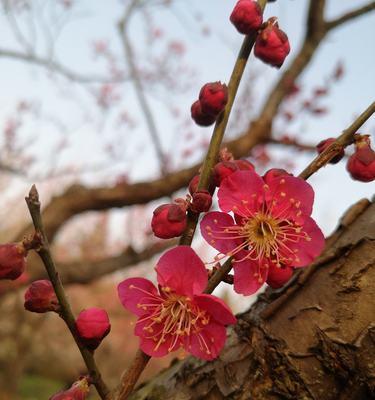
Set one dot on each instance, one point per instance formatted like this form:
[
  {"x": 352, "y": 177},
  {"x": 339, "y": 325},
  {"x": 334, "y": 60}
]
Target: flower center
[{"x": 171, "y": 316}]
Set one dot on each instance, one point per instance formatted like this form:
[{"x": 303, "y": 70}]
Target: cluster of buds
[
  {"x": 271, "y": 44},
  {"x": 361, "y": 165},
  {"x": 93, "y": 326},
  {"x": 12, "y": 260},
  {"x": 213, "y": 98},
  {"x": 78, "y": 391}
]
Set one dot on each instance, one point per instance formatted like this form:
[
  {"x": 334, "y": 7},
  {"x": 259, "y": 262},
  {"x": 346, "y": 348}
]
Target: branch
[
  {"x": 44, "y": 253},
  {"x": 345, "y": 139},
  {"x": 292, "y": 143},
  {"x": 142, "y": 99},
  {"x": 56, "y": 67},
  {"x": 351, "y": 15}
]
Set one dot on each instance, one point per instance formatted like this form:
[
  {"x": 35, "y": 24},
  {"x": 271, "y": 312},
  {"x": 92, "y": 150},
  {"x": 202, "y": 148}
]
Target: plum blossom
[
  {"x": 179, "y": 314},
  {"x": 271, "y": 230}
]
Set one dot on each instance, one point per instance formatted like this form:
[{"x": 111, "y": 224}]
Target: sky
[{"x": 211, "y": 57}]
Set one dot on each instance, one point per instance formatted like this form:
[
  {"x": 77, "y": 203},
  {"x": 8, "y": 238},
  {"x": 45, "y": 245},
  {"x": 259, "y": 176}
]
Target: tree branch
[
  {"x": 65, "y": 311},
  {"x": 350, "y": 15}
]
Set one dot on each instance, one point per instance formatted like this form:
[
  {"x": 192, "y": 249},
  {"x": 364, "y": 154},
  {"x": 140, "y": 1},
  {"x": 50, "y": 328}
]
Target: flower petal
[
  {"x": 147, "y": 342},
  {"x": 246, "y": 276},
  {"x": 292, "y": 196},
  {"x": 213, "y": 226},
  {"x": 307, "y": 250},
  {"x": 241, "y": 192},
  {"x": 134, "y": 292},
  {"x": 216, "y": 308},
  {"x": 207, "y": 343},
  {"x": 182, "y": 270}
]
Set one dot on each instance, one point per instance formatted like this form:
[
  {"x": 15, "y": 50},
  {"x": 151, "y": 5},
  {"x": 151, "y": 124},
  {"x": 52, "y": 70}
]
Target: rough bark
[{"x": 313, "y": 339}]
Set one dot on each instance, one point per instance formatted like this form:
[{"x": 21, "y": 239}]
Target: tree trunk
[{"x": 313, "y": 339}]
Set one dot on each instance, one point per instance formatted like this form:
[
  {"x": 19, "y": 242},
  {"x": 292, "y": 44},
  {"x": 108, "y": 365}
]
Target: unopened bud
[
  {"x": 12, "y": 260},
  {"x": 278, "y": 276},
  {"x": 247, "y": 16},
  {"x": 199, "y": 116},
  {"x": 361, "y": 165},
  {"x": 272, "y": 44},
  {"x": 202, "y": 201},
  {"x": 169, "y": 221},
  {"x": 93, "y": 326},
  {"x": 78, "y": 391},
  {"x": 213, "y": 97},
  {"x": 40, "y": 297},
  {"x": 222, "y": 170}
]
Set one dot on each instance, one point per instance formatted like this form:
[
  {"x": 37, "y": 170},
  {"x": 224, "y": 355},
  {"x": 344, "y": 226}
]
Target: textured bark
[{"x": 313, "y": 339}]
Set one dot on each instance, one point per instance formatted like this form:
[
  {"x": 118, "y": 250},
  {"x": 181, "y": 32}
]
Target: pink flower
[
  {"x": 271, "y": 228},
  {"x": 179, "y": 314}
]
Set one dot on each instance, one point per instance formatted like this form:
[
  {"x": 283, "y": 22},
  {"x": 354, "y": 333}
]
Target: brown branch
[
  {"x": 351, "y": 15},
  {"x": 292, "y": 143},
  {"x": 44, "y": 253}
]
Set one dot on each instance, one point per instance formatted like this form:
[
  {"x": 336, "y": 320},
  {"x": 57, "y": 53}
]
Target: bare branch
[{"x": 351, "y": 15}]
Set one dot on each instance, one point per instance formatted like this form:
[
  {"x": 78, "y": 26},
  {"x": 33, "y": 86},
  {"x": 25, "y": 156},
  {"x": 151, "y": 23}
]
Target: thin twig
[
  {"x": 344, "y": 140},
  {"x": 66, "y": 314},
  {"x": 351, "y": 15}
]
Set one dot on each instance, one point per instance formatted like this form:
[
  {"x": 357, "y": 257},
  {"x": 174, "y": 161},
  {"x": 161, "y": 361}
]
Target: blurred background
[{"x": 85, "y": 105}]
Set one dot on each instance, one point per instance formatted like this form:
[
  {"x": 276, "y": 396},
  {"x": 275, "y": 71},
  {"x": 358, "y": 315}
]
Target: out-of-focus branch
[
  {"x": 65, "y": 312},
  {"x": 84, "y": 272},
  {"x": 54, "y": 66},
  {"x": 351, "y": 15},
  {"x": 136, "y": 79},
  {"x": 292, "y": 143},
  {"x": 77, "y": 199}
]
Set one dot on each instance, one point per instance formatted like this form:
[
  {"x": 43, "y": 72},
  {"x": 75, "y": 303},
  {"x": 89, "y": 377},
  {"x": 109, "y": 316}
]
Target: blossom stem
[
  {"x": 342, "y": 141},
  {"x": 219, "y": 129},
  {"x": 66, "y": 313}
]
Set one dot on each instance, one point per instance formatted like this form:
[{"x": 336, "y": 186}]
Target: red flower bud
[
  {"x": 222, "y": 170},
  {"x": 361, "y": 165},
  {"x": 193, "y": 185},
  {"x": 202, "y": 201},
  {"x": 247, "y": 16},
  {"x": 244, "y": 165},
  {"x": 40, "y": 297},
  {"x": 272, "y": 44},
  {"x": 78, "y": 391},
  {"x": 199, "y": 116},
  {"x": 168, "y": 221},
  {"x": 274, "y": 173},
  {"x": 12, "y": 260},
  {"x": 278, "y": 276},
  {"x": 93, "y": 326},
  {"x": 321, "y": 146},
  {"x": 213, "y": 98}
]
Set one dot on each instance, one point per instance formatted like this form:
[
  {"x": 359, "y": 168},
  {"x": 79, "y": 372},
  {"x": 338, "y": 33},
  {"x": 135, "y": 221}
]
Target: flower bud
[
  {"x": 244, "y": 165},
  {"x": 78, "y": 391},
  {"x": 278, "y": 276},
  {"x": 272, "y": 44},
  {"x": 93, "y": 326},
  {"x": 361, "y": 165},
  {"x": 222, "y": 170},
  {"x": 321, "y": 146},
  {"x": 274, "y": 173},
  {"x": 169, "y": 221},
  {"x": 213, "y": 97},
  {"x": 202, "y": 201},
  {"x": 12, "y": 260},
  {"x": 193, "y": 185},
  {"x": 40, "y": 297},
  {"x": 247, "y": 16},
  {"x": 199, "y": 116}
]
